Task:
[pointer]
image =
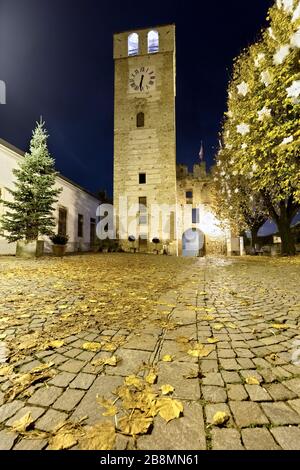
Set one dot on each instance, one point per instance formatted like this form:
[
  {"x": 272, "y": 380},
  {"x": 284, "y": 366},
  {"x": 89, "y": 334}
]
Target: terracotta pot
[{"x": 59, "y": 250}]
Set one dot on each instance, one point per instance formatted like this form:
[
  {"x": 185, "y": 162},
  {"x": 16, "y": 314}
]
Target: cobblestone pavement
[{"x": 246, "y": 310}]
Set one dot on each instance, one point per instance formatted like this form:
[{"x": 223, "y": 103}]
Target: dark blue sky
[{"x": 56, "y": 59}]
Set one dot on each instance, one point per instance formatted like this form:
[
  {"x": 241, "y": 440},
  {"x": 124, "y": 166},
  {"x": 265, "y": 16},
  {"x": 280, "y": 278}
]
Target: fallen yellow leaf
[
  {"x": 55, "y": 344},
  {"x": 220, "y": 418},
  {"x": 110, "y": 361},
  {"x": 63, "y": 440},
  {"x": 231, "y": 326},
  {"x": 280, "y": 326},
  {"x": 200, "y": 351},
  {"x": 166, "y": 389},
  {"x": 169, "y": 409},
  {"x": 252, "y": 381},
  {"x": 218, "y": 326},
  {"x": 111, "y": 409},
  {"x": 42, "y": 368},
  {"x": 94, "y": 347},
  {"x": 135, "y": 424},
  {"x": 167, "y": 358},
  {"x": 134, "y": 381},
  {"x": 22, "y": 424},
  {"x": 182, "y": 340},
  {"x": 207, "y": 317},
  {"x": 102, "y": 436},
  {"x": 213, "y": 340},
  {"x": 151, "y": 378},
  {"x": 6, "y": 370}
]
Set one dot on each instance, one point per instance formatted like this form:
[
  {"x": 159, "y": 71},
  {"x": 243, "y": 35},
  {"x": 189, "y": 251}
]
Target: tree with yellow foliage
[{"x": 261, "y": 131}]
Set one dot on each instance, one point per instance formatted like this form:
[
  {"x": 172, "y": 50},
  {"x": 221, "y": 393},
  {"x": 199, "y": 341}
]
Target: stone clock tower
[{"x": 145, "y": 135}]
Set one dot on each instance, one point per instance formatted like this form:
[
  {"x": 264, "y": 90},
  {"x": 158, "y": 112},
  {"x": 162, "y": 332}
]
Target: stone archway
[{"x": 193, "y": 243}]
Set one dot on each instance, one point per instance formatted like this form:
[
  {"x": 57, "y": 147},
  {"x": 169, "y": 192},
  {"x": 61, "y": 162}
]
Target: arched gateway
[{"x": 193, "y": 243}]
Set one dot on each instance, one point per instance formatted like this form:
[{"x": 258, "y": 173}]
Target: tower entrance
[{"x": 193, "y": 243}]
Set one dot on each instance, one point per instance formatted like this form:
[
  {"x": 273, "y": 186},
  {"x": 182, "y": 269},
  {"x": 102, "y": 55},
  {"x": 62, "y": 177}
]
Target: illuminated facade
[{"x": 155, "y": 199}]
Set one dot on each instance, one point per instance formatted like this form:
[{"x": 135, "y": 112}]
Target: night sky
[{"x": 56, "y": 58}]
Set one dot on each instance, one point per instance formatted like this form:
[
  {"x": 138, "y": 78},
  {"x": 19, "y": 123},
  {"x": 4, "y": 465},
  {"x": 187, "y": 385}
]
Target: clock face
[{"x": 142, "y": 80}]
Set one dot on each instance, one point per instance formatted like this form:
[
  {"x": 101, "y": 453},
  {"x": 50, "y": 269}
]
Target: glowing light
[
  {"x": 295, "y": 40},
  {"x": 287, "y": 140},
  {"x": 243, "y": 129},
  {"x": 266, "y": 78},
  {"x": 260, "y": 57},
  {"x": 243, "y": 89},
  {"x": 294, "y": 91},
  {"x": 281, "y": 54},
  {"x": 264, "y": 113},
  {"x": 210, "y": 225}
]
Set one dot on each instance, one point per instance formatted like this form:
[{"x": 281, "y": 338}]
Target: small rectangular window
[
  {"x": 80, "y": 226},
  {"x": 62, "y": 221},
  {"x": 189, "y": 194},
  {"x": 196, "y": 216},
  {"x": 142, "y": 178},
  {"x": 92, "y": 231},
  {"x": 143, "y": 202},
  {"x": 140, "y": 120}
]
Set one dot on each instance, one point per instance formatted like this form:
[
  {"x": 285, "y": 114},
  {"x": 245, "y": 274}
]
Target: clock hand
[{"x": 141, "y": 84}]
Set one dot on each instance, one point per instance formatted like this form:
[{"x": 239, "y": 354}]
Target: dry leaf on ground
[
  {"x": 166, "y": 389},
  {"x": 169, "y": 409},
  {"x": 63, "y": 440},
  {"x": 134, "y": 381},
  {"x": 21, "y": 382},
  {"x": 151, "y": 377},
  {"x": 232, "y": 326},
  {"x": 167, "y": 358},
  {"x": 213, "y": 340},
  {"x": 218, "y": 326},
  {"x": 102, "y": 436},
  {"x": 6, "y": 370},
  {"x": 23, "y": 424},
  {"x": 200, "y": 351},
  {"x": 207, "y": 317},
  {"x": 54, "y": 344},
  {"x": 135, "y": 424},
  {"x": 109, "y": 361},
  {"x": 252, "y": 381},
  {"x": 280, "y": 326},
  {"x": 220, "y": 418},
  {"x": 182, "y": 340},
  {"x": 111, "y": 409},
  {"x": 94, "y": 347}
]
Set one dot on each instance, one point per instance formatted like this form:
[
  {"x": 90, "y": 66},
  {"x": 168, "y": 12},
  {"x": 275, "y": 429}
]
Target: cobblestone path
[{"x": 246, "y": 310}]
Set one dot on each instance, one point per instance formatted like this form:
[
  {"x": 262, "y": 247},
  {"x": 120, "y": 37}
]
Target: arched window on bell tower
[
  {"x": 140, "y": 120},
  {"x": 133, "y": 44},
  {"x": 153, "y": 42}
]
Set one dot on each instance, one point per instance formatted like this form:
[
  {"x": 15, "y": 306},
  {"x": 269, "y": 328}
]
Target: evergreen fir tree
[{"x": 30, "y": 213}]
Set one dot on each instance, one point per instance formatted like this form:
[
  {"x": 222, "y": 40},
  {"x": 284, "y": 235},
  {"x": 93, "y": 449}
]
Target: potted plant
[
  {"x": 132, "y": 240},
  {"x": 105, "y": 246},
  {"x": 59, "y": 244},
  {"x": 156, "y": 242}
]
